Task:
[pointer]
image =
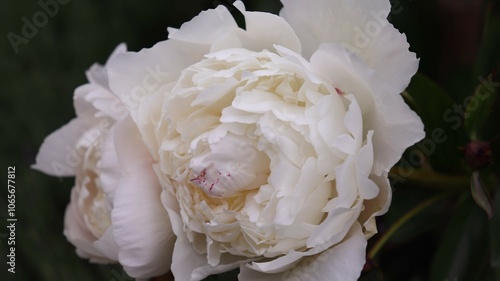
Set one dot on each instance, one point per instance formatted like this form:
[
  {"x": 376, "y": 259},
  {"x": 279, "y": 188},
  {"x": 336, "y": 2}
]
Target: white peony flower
[
  {"x": 272, "y": 144},
  {"x": 115, "y": 186}
]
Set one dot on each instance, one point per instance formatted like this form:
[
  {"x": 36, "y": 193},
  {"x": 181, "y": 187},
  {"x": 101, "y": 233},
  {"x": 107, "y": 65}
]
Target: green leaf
[
  {"x": 480, "y": 106},
  {"x": 404, "y": 201},
  {"x": 488, "y": 55},
  {"x": 443, "y": 124},
  {"x": 463, "y": 253},
  {"x": 494, "y": 229},
  {"x": 402, "y": 221},
  {"x": 479, "y": 109}
]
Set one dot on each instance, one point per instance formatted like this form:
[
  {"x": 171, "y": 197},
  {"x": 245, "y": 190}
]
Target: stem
[
  {"x": 431, "y": 179},
  {"x": 381, "y": 242}
]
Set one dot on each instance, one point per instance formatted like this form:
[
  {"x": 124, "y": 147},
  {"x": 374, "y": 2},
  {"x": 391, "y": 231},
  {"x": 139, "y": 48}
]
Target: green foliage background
[{"x": 449, "y": 238}]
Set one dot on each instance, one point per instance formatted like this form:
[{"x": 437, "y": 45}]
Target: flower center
[{"x": 229, "y": 166}]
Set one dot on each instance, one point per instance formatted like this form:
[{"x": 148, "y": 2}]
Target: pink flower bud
[{"x": 477, "y": 154}]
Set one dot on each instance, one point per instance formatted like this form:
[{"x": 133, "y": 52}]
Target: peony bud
[{"x": 477, "y": 154}]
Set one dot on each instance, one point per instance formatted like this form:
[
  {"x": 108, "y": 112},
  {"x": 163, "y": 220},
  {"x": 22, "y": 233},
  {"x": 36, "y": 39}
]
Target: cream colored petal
[
  {"x": 57, "y": 156},
  {"x": 141, "y": 226},
  {"x": 359, "y": 25},
  {"x": 395, "y": 125}
]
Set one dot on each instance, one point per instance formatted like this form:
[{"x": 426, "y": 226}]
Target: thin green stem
[
  {"x": 381, "y": 242},
  {"x": 428, "y": 178}
]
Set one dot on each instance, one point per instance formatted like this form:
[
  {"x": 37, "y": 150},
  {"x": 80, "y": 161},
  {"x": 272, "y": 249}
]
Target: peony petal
[
  {"x": 92, "y": 101},
  {"x": 120, "y": 49},
  {"x": 97, "y": 73},
  {"x": 349, "y": 74},
  {"x": 84, "y": 108},
  {"x": 218, "y": 29},
  {"x": 287, "y": 210},
  {"x": 230, "y": 263},
  {"x": 346, "y": 184},
  {"x": 96, "y": 96},
  {"x": 359, "y": 25},
  {"x": 109, "y": 166},
  {"x": 57, "y": 157},
  {"x": 247, "y": 274},
  {"x": 395, "y": 125},
  {"x": 259, "y": 36},
  {"x": 107, "y": 245},
  {"x": 341, "y": 262},
  {"x": 78, "y": 233},
  {"x": 185, "y": 260},
  {"x": 280, "y": 264},
  {"x": 346, "y": 211},
  {"x": 364, "y": 163},
  {"x": 353, "y": 121},
  {"x": 141, "y": 225},
  {"x": 206, "y": 27},
  {"x": 187, "y": 264},
  {"x": 335, "y": 227},
  {"x": 376, "y": 206},
  {"x": 135, "y": 77}
]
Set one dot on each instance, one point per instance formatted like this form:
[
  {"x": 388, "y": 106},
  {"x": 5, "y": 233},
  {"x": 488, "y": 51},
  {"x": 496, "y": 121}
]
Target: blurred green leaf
[
  {"x": 488, "y": 56},
  {"x": 464, "y": 250},
  {"x": 404, "y": 201},
  {"x": 402, "y": 221},
  {"x": 443, "y": 125},
  {"x": 480, "y": 106},
  {"x": 482, "y": 122},
  {"x": 494, "y": 229}
]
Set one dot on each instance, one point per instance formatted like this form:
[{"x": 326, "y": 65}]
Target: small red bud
[{"x": 477, "y": 154}]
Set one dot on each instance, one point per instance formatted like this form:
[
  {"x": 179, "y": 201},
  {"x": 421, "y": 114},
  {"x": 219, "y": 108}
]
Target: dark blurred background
[{"x": 37, "y": 83}]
